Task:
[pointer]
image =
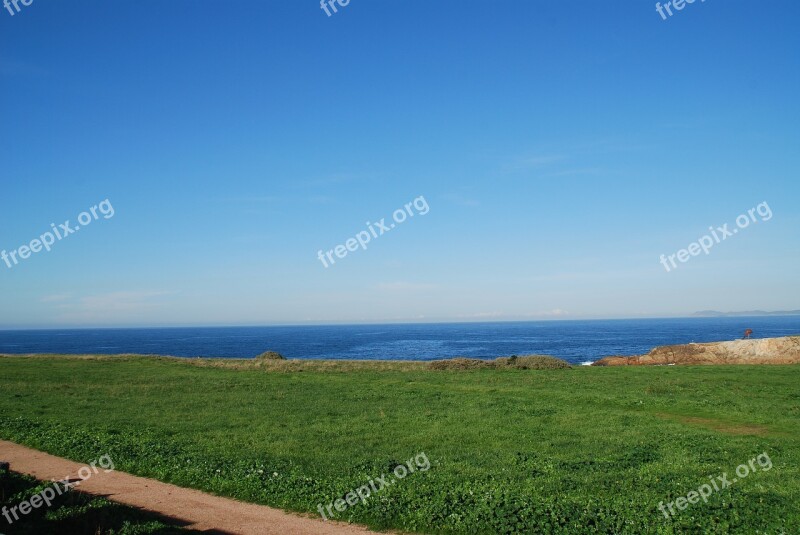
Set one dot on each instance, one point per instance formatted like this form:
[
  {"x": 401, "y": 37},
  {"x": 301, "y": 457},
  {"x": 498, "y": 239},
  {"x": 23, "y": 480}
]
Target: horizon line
[{"x": 348, "y": 323}]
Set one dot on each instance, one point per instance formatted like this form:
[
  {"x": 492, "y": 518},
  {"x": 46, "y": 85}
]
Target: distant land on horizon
[{"x": 718, "y": 314}]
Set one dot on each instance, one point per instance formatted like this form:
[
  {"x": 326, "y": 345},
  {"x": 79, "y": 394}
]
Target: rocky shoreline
[{"x": 783, "y": 350}]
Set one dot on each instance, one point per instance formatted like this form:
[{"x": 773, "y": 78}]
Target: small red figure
[{"x": 748, "y": 332}]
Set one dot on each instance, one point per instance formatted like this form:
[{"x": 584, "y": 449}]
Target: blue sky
[{"x": 561, "y": 146}]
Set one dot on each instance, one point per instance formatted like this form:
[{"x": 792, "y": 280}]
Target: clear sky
[{"x": 560, "y": 146}]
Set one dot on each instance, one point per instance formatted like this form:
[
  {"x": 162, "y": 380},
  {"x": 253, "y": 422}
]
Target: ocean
[{"x": 576, "y": 341}]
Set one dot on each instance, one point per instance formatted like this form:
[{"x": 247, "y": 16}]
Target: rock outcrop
[
  {"x": 270, "y": 355},
  {"x": 784, "y": 350}
]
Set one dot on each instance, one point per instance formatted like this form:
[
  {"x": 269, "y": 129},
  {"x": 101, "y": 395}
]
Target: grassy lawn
[{"x": 582, "y": 450}]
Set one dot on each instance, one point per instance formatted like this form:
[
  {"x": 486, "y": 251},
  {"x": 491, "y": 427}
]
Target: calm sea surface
[{"x": 575, "y": 341}]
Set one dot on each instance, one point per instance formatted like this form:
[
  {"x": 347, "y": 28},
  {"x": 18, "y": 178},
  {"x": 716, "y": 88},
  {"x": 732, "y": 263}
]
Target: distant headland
[{"x": 718, "y": 314}]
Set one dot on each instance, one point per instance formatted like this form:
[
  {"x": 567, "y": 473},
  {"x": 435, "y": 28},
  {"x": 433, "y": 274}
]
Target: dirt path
[{"x": 189, "y": 508}]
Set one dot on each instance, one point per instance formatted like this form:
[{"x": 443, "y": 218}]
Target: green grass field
[{"x": 581, "y": 450}]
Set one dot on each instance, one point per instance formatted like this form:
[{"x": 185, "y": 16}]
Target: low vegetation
[
  {"x": 527, "y": 362},
  {"x": 573, "y": 451},
  {"x": 74, "y": 513}
]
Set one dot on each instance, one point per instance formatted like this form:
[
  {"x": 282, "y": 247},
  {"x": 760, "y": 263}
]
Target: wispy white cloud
[
  {"x": 108, "y": 307},
  {"x": 322, "y": 199},
  {"x": 556, "y": 312},
  {"x": 537, "y": 161},
  {"x": 404, "y": 286},
  {"x": 534, "y": 162},
  {"x": 576, "y": 172},
  {"x": 54, "y": 298},
  {"x": 482, "y": 315},
  {"x": 254, "y": 199},
  {"x": 460, "y": 200},
  {"x": 332, "y": 179}
]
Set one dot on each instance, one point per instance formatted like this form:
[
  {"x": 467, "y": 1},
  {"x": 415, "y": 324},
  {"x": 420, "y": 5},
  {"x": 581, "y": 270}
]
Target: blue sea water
[{"x": 575, "y": 341}]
